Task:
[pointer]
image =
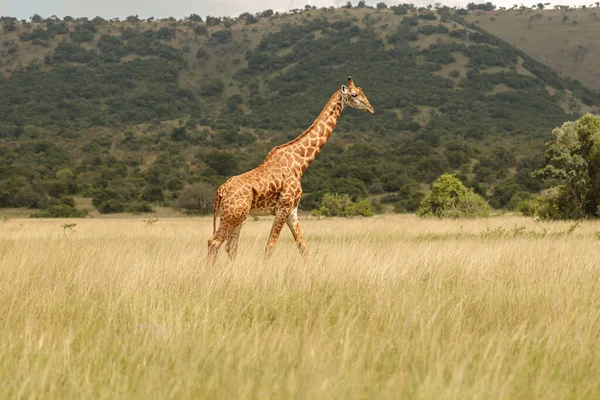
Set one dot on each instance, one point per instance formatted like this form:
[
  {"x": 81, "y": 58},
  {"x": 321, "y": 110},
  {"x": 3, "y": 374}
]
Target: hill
[
  {"x": 132, "y": 112},
  {"x": 565, "y": 39}
]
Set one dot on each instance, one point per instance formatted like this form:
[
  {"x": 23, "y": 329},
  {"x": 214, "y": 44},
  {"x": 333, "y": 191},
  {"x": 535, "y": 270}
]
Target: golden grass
[{"x": 389, "y": 307}]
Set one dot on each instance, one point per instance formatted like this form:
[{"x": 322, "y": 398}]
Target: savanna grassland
[{"x": 389, "y": 307}]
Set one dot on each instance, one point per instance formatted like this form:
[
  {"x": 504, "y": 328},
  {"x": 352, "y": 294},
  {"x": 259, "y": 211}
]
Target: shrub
[
  {"x": 449, "y": 198},
  {"x": 222, "y": 162},
  {"x": 81, "y": 35},
  {"x": 197, "y": 198},
  {"x": 140, "y": 207},
  {"x": 111, "y": 48},
  {"x": 428, "y": 16},
  {"x": 200, "y": 30},
  {"x": 202, "y": 54},
  {"x": 220, "y": 37},
  {"x": 108, "y": 201},
  {"x": 212, "y": 87},
  {"x": 544, "y": 206},
  {"x": 71, "y": 52},
  {"x": 312, "y": 200},
  {"x": 361, "y": 208},
  {"x": 335, "y": 205},
  {"x": 410, "y": 203},
  {"x": 431, "y": 29},
  {"x": 60, "y": 211},
  {"x": 152, "y": 193},
  {"x": 111, "y": 206}
]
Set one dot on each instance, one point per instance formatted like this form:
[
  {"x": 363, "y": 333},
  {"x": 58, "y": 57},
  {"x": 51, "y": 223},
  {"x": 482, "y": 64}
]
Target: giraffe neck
[{"x": 304, "y": 148}]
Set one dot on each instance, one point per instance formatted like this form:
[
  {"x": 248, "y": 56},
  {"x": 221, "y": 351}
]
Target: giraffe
[{"x": 274, "y": 186}]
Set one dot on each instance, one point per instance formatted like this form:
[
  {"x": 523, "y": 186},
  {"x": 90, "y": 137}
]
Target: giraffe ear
[{"x": 344, "y": 89}]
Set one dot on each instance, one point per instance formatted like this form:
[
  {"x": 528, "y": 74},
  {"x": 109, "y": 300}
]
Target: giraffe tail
[{"x": 218, "y": 198}]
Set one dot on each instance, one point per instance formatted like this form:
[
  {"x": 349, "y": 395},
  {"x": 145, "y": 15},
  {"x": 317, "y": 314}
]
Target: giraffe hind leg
[
  {"x": 232, "y": 242},
  {"x": 214, "y": 243},
  {"x": 232, "y": 215}
]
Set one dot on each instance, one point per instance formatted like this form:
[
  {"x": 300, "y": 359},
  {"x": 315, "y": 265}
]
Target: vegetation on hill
[
  {"x": 563, "y": 38},
  {"x": 136, "y": 113}
]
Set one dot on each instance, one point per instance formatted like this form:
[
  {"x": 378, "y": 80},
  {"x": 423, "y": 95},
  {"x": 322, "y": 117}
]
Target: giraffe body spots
[{"x": 274, "y": 186}]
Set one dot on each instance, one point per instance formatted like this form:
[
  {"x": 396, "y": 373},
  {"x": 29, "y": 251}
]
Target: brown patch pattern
[{"x": 274, "y": 186}]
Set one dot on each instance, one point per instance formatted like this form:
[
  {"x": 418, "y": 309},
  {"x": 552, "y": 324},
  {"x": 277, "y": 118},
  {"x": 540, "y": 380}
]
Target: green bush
[
  {"x": 140, "y": 207},
  {"x": 220, "y": 37},
  {"x": 200, "y": 30},
  {"x": 428, "y": 16},
  {"x": 153, "y": 194},
  {"x": 312, "y": 201},
  {"x": 60, "y": 211},
  {"x": 212, "y": 87},
  {"x": 202, "y": 54},
  {"x": 335, "y": 205},
  {"x": 449, "y": 198},
  {"x": 112, "y": 48},
  {"x": 111, "y": 207},
  {"x": 431, "y": 29},
  {"x": 81, "y": 35},
  {"x": 71, "y": 52},
  {"x": 545, "y": 206}
]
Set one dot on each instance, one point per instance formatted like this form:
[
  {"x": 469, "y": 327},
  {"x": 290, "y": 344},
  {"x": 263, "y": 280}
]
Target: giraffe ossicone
[{"x": 274, "y": 186}]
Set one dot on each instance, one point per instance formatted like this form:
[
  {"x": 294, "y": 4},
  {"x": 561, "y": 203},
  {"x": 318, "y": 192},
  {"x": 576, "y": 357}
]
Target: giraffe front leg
[
  {"x": 280, "y": 218},
  {"x": 292, "y": 222}
]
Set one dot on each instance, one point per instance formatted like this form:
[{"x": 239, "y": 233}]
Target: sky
[{"x": 23, "y": 9}]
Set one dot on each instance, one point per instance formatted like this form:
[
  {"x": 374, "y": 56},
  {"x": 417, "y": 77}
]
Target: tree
[
  {"x": 197, "y": 198},
  {"x": 179, "y": 134},
  {"x": 540, "y": 6},
  {"x": 572, "y": 165},
  {"x": 220, "y": 37},
  {"x": 152, "y": 194},
  {"x": 194, "y": 18},
  {"x": 449, "y": 198},
  {"x": 381, "y": 6},
  {"x": 222, "y": 162},
  {"x": 200, "y": 30},
  {"x": 212, "y": 21},
  {"x": 212, "y": 87}
]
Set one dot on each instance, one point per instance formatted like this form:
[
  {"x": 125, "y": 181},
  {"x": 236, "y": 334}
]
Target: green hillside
[
  {"x": 564, "y": 38},
  {"x": 131, "y": 113}
]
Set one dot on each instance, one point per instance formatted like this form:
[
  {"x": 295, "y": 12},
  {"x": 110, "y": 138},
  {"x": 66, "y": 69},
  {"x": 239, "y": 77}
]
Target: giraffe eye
[{"x": 354, "y": 94}]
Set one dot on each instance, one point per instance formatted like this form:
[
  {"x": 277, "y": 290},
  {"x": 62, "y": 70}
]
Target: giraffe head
[{"x": 353, "y": 96}]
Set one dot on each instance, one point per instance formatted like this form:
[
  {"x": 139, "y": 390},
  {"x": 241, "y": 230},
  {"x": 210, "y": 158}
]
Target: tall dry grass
[{"x": 389, "y": 307}]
